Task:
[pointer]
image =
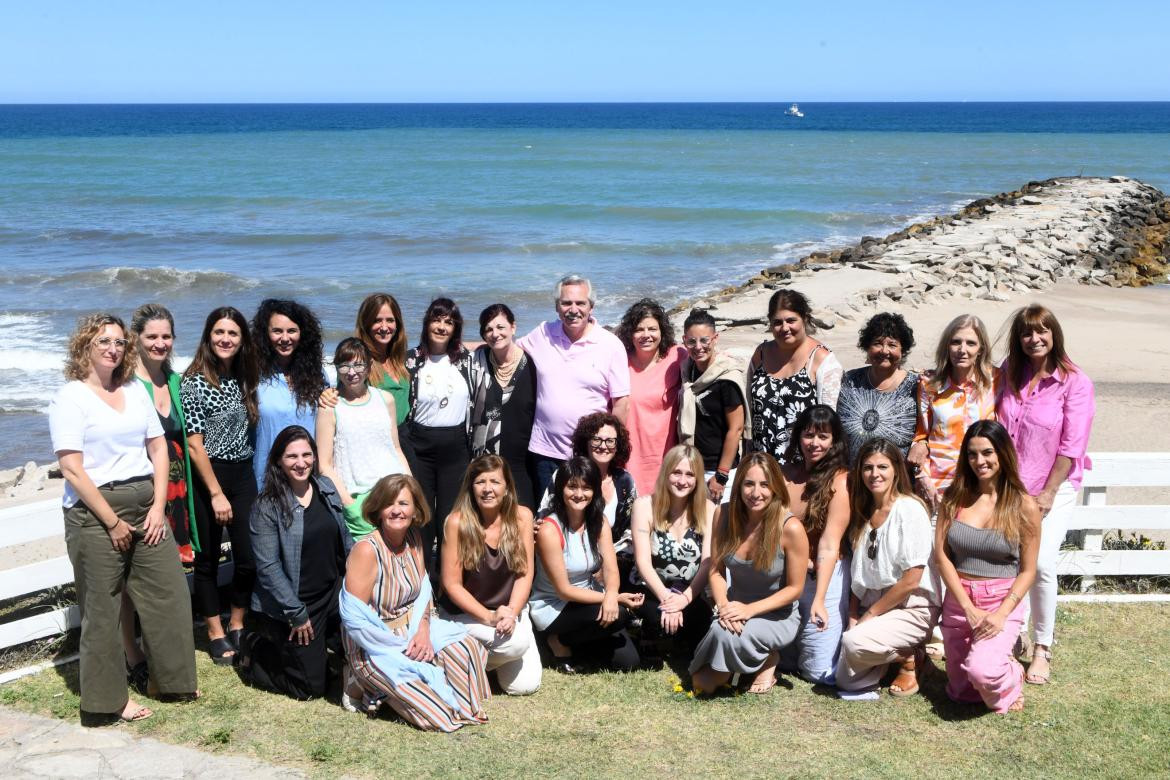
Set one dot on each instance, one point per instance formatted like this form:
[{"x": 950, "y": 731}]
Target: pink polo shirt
[
  {"x": 573, "y": 379},
  {"x": 1053, "y": 419}
]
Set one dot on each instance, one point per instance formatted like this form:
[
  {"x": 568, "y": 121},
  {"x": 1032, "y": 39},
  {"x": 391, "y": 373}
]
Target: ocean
[{"x": 195, "y": 206}]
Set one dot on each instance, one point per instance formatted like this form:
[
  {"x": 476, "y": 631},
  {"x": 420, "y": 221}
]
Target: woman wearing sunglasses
[{"x": 894, "y": 604}]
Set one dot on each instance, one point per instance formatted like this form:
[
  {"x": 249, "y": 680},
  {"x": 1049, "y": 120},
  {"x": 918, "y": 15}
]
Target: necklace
[{"x": 504, "y": 371}]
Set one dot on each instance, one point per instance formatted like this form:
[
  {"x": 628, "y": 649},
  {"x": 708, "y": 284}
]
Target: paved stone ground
[{"x": 35, "y": 747}]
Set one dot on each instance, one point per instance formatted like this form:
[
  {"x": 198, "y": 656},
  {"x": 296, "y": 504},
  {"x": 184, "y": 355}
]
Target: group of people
[{"x": 575, "y": 498}]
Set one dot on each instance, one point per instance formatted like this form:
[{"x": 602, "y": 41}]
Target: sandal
[
  {"x": 132, "y": 712},
  {"x": 222, "y": 652},
  {"x": 1039, "y": 678},
  {"x": 909, "y": 670},
  {"x": 234, "y": 637},
  {"x": 138, "y": 677},
  {"x": 760, "y": 689}
]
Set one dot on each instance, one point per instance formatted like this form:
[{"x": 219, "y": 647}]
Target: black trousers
[
  {"x": 609, "y": 646},
  {"x": 273, "y": 663},
  {"x": 696, "y": 619},
  {"x": 239, "y": 487},
  {"x": 439, "y": 458}
]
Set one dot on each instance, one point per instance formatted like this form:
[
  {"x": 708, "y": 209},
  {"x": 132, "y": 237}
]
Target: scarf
[
  {"x": 385, "y": 649},
  {"x": 722, "y": 366}
]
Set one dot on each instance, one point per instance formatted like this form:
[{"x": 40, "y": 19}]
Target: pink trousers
[{"x": 982, "y": 670}]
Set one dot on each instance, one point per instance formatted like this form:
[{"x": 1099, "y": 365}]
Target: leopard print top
[{"x": 219, "y": 414}]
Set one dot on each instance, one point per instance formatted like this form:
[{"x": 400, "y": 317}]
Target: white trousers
[
  {"x": 1042, "y": 599},
  {"x": 515, "y": 659}
]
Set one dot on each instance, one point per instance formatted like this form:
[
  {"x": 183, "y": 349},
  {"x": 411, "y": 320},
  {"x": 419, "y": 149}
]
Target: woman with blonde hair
[
  {"x": 399, "y": 652},
  {"x": 759, "y": 561},
  {"x": 894, "y": 599},
  {"x": 111, "y": 448},
  {"x": 672, "y": 548},
  {"x": 985, "y": 546},
  {"x": 1047, "y": 407},
  {"x": 487, "y": 570},
  {"x": 962, "y": 389}
]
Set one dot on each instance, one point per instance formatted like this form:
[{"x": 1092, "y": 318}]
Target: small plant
[
  {"x": 324, "y": 752},
  {"x": 1119, "y": 541},
  {"x": 221, "y": 736}
]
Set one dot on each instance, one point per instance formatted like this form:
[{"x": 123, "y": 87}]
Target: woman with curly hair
[
  {"x": 655, "y": 377},
  {"x": 218, "y": 393},
  {"x": 816, "y": 478},
  {"x": 985, "y": 546},
  {"x": 880, "y": 399},
  {"x": 112, "y": 451},
  {"x": 789, "y": 373},
  {"x": 289, "y": 350},
  {"x": 759, "y": 558},
  {"x": 603, "y": 439},
  {"x": 961, "y": 390}
]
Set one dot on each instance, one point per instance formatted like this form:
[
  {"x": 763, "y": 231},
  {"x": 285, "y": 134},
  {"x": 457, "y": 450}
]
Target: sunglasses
[{"x": 871, "y": 548}]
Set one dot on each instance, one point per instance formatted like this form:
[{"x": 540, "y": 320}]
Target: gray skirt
[{"x": 744, "y": 653}]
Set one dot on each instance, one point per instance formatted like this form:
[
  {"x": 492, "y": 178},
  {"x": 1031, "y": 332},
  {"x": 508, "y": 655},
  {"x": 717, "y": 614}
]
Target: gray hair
[{"x": 572, "y": 280}]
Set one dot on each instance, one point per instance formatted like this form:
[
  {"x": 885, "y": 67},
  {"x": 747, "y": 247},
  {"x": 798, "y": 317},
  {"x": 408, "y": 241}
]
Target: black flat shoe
[
  {"x": 234, "y": 636},
  {"x": 567, "y": 667},
  {"x": 222, "y": 652}
]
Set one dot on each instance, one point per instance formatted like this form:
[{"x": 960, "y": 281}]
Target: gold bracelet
[{"x": 1012, "y": 595}]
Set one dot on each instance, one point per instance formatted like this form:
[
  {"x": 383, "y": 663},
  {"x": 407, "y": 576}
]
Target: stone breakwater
[{"x": 1113, "y": 231}]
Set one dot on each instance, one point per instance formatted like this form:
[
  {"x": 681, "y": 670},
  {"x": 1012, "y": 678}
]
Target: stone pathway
[{"x": 35, "y": 747}]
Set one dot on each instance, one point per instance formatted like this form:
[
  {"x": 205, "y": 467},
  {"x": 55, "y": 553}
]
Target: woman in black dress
[{"x": 503, "y": 401}]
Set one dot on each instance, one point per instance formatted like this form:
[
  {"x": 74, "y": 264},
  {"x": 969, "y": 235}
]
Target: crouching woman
[
  {"x": 894, "y": 603},
  {"x": 299, "y": 541}
]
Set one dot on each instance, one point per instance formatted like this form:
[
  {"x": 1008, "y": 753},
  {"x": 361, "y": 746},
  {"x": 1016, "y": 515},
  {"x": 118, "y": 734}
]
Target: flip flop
[
  {"x": 760, "y": 690},
  {"x": 141, "y": 713}
]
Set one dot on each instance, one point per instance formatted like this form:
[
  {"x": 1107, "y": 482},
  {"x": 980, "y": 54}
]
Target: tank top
[
  {"x": 581, "y": 563},
  {"x": 776, "y": 403},
  {"x": 363, "y": 448},
  {"x": 490, "y": 583},
  {"x": 982, "y": 552},
  {"x": 675, "y": 562},
  {"x": 748, "y": 584}
]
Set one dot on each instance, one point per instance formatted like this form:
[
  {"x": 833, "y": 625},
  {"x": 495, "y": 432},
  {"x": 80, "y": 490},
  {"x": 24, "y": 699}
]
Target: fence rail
[{"x": 1092, "y": 517}]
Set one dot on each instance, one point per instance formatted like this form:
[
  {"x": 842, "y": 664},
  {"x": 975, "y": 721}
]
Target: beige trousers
[{"x": 868, "y": 648}]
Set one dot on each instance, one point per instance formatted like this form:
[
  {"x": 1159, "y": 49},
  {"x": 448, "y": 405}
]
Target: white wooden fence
[{"x": 1094, "y": 516}]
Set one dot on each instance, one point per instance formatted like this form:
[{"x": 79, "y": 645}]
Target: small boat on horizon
[{"x": 794, "y": 110}]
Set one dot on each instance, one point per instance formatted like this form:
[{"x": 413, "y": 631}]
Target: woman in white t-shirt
[
  {"x": 895, "y": 601},
  {"x": 442, "y": 374},
  {"x": 109, "y": 442}
]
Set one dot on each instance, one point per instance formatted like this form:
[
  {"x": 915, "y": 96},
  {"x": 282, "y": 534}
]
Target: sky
[{"x": 146, "y": 51}]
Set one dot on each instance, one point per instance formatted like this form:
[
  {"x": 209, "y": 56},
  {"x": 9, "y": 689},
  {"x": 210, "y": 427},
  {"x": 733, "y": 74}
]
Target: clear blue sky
[{"x": 634, "y": 50}]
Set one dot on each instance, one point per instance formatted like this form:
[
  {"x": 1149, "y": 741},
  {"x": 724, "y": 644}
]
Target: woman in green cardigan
[{"x": 153, "y": 329}]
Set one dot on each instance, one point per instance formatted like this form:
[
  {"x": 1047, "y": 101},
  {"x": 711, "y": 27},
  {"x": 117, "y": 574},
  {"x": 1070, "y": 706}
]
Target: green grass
[{"x": 1107, "y": 714}]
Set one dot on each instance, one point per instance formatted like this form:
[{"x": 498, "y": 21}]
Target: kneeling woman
[
  {"x": 582, "y": 620},
  {"x": 894, "y": 604},
  {"x": 759, "y": 559},
  {"x": 487, "y": 572},
  {"x": 299, "y": 541},
  {"x": 399, "y": 652},
  {"x": 672, "y": 548},
  {"x": 986, "y": 543}
]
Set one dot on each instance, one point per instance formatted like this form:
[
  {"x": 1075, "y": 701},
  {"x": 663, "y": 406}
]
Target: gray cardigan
[{"x": 276, "y": 548}]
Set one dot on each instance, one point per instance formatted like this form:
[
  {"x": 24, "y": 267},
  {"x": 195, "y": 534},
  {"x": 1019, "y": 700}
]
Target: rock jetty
[{"x": 1113, "y": 231}]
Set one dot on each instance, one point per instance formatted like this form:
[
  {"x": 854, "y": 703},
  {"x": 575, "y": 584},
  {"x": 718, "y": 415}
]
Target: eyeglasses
[
  {"x": 105, "y": 342},
  {"x": 352, "y": 368},
  {"x": 601, "y": 443},
  {"x": 871, "y": 550},
  {"x": 703, "y": 342}
]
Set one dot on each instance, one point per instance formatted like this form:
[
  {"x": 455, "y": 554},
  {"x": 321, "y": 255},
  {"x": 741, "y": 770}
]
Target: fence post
[{"x": 1091, "y": 538}]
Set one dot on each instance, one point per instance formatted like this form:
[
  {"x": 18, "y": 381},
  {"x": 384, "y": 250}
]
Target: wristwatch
[{"x": 721, "y": 477}]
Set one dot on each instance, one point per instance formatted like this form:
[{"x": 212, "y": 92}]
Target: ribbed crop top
[{"x": 982, "y": 552}]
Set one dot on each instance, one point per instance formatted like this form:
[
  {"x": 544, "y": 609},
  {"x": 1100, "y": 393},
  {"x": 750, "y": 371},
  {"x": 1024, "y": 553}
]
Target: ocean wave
[
  {"x": 30, "y": 360},
  {"x": 133, "y": 279}
]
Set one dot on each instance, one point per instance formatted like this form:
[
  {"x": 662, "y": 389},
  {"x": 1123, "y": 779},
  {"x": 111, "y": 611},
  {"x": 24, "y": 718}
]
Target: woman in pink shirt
[
  {"x": 1047, "y": 407},
  {"x": 655, "y": 378}
]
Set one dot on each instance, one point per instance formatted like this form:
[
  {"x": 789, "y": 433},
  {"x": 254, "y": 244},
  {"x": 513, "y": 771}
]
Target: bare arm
[
  {"x": 795, "y": 544},
  {"x": 392, "y": 408},
  {"x": 948, "y": 573},
  {"x": 717, "y": 580},
  {"x": 326, "y": 430},
  {"x": 156, "y": 518},
  {"x": 361, "y": 569},
  {"x": 641, "y": 521},
  {"x": 522, "y": 587},
  {"x": 220, "y": 506},
  {"x": 896, "y": 593},
  {"x": 699, "y": 583},
  {"x": 548, "y": 546},
  {"x": 621, "y": 408},
  {"x": 75, "y": 474},
  {"x": 829, "y": 548}
]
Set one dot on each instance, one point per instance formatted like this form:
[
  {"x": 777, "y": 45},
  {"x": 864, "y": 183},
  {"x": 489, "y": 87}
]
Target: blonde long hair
[
  {"x": 733, "y": 531},
  {"x": 696, "y": 504},
  {"x": 469, "y": 533},
  {"x": 1008, "y": 517},
  {"x": 983, "y": 374}
]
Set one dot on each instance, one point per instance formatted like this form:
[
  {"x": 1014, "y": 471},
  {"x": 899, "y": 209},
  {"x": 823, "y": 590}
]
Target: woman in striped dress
[{"x": 399, "y": 652}]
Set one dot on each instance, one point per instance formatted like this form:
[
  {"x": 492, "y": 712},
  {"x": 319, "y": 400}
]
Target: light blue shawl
[{"x": 385, "y": 649}]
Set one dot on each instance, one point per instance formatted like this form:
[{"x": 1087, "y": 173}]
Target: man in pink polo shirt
[{"x": 581, "y": 368}]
